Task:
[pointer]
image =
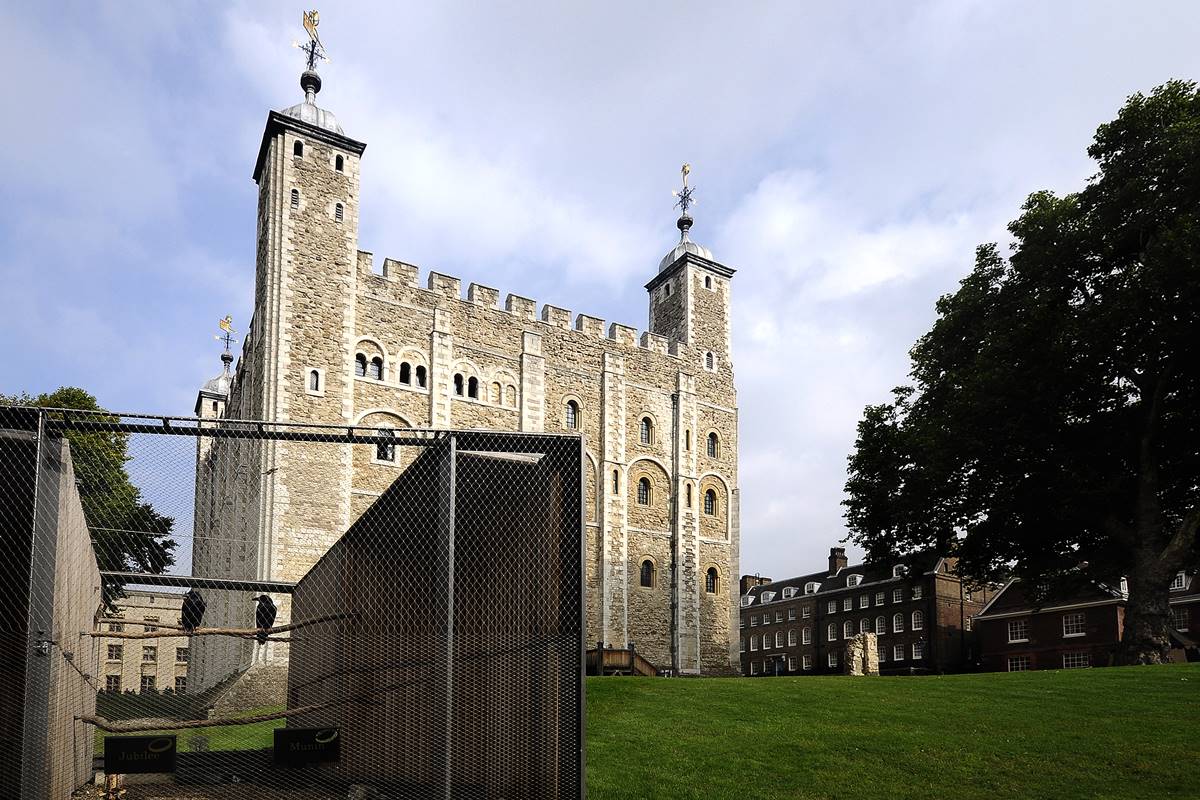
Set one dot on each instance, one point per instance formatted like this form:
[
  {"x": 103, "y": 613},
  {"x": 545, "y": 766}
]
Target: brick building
[
  {"x": 921, "y": 614},
  {"x": 338, "y": 341},
  {"x": 144, "y": 664},
  {"x": 1082, "y": 630}
]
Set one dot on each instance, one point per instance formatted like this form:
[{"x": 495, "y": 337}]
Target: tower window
[
  {"x": 709, "y": 361},
  {"x": 298, "y": 149},
  {"x": 295, "y": 198},
  {"x": 339, "y": 213},
  {"x": 375, "y": 370},
  {"x": 647, "y": 573},
  {"x": 405, "y": 372},
  {"x": 668, "y": 294},
  {"x": 314, "y": 381},
  {"x": 510, "y": 396},
  {"x": 496, "y": 395},
  {"x": 473, "y": 388},
  {"x": 710, "y": 502},
  {"x": 421, "y": 376},
  {"x": 714, "y": 445},
  {"x": 689, "y": 495},
  {"x": 646, "y": 431},
  {"x": 339, "y": 163},
  {"x": 458, "y": 384},
  {"x": 360, "y": 365},
  {"x": 710, "y": 584},
  {"x": 385, "y": 451},
  {"x": 687, "y": 439},
  {"x": 214, "y": 406},
  {"x": 616, "y": 482},
  {"x": 707, "y": 281},
  {"x": 644, "y": 492},
  {"x": 572, "y": 414}
]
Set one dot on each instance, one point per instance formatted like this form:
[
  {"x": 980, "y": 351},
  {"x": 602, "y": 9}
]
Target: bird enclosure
[{"x": 195, "y": 603}]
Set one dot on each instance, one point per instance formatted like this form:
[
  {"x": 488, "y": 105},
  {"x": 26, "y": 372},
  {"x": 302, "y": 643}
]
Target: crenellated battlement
[{"x": 524, "y": 308}]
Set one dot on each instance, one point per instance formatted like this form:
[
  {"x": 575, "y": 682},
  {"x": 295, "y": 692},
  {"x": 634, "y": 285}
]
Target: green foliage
[
  {"x": 1051, "y": 429},
  {"x": 1047, "y": 734},
  {"x": 127, "y": 533}
]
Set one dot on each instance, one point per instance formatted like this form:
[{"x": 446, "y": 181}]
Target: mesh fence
[{"x": 301, "y": 610}]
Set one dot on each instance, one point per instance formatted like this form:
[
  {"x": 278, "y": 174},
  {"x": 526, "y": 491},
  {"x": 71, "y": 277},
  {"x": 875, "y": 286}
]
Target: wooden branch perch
[{"x": 175, "y": 631}]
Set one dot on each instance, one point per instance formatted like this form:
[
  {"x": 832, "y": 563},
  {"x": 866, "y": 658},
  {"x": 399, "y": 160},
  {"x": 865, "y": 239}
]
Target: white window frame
[
  {"x": 897, "y": 595},
  {"x": 1024, "y": 629},
  {"x": 917, "y": 592},
  {"x": 848, "y": 629},
  {"x": 853, "y": 580},
  {"x": 1186, "y": 612},
  {"x": 831, "y": 607},
  {"x": 778, "y": 640},
  {"x": 754, "y": 620},
  {"x": 864, "y": 601},
  {"x": 831, "y": 632},
  {"x": 880, "y": 597},
  {"x": 743, "y": 641},
  {"x": 897, "y": 652},
  {"x": 747, "y": 600},
  {"x": 792, "y": 638},
  {"x": 918, "y": 651},
  {"x": 898, "y": 622},
  {"x": 806, "y": 612},
  {"x": 1070, "y": 629},
  {"x": 791, "y": 663},
  {"x": 898, "y": 571},
  {"x": 914, "y": 624},
  {"x": 768, "y": 597},
  {"x": 753, "y": 644},
  {"x": 791, "y": 615},
  {"x": 766, "y": 641},
  {"x": 766, "y": 618},
  {"x": 811, "y": 587},
  {"x": 806, "y": 636},
  {"x": 753, "y": 667},
  {"x": 880, "y": 651},
  {"x": 789, "y": 592},
  {"x": 806, "y": 662},
  {"x": 779, "y": 616},
  {"x": 864, "y": 625},
  {"x": 1076, "y": 656},
  {"x": 1178, "y": 582},
  {"x": 1023, "y": 663},
  {"x": 848, "y": 604},
  {"x": 880, "y": 625},
  {"x": 832, "y": 660}
]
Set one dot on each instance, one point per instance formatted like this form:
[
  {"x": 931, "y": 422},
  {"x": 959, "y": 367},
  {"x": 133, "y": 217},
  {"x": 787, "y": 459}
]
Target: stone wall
[{"x": 861, "y": 655}]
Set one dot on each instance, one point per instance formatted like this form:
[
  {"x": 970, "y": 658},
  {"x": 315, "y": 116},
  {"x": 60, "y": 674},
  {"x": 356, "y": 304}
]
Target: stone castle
[{"x": 334, "y": 341}]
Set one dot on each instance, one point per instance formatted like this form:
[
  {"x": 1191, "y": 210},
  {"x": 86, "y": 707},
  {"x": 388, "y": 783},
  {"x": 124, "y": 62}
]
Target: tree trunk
[{"x": 1146, "y": 638}]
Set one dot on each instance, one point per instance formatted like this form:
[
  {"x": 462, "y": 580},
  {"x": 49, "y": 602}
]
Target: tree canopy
[
  {"x": 127, "y": 533},
  {"x": 1051, "y": 430}
]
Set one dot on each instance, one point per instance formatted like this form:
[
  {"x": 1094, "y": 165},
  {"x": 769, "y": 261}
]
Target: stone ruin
[{"x": 862, "y": 655}]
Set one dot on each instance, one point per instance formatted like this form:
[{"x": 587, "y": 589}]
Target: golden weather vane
[
  {"x": 314, "y": 50},
  {"x": 685, "y": 194},
  {"x": 226, "y": 325}
]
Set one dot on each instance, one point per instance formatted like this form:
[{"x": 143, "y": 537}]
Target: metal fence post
[{"x": 35, "y": 765}]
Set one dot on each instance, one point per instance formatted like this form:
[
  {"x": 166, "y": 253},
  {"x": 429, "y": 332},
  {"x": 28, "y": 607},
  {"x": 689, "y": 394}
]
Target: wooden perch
[{"x": 175, "y": 631}]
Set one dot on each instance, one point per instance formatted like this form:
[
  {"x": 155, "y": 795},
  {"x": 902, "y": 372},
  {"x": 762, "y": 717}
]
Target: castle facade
[{"x": 334, "y": 340}]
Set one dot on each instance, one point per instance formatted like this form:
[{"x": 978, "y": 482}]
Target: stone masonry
[{"x": 660, "y": 407}]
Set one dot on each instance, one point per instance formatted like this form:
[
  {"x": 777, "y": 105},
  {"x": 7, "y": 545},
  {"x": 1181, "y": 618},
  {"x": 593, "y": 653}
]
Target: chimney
[{"x": 837, "y": 559}]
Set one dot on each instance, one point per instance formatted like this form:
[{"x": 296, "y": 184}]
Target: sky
[{"x": 848, "y": 159}]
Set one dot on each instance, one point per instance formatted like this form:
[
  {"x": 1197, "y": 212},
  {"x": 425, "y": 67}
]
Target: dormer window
[
  {"x": 853, "y": 580},
  {"x": 768, "y": 596},
  {"x": 898, "y": 571},
  {"x": 789, "y": 592},
  {"x": 811, "y": 587},
  {"x": 747, "y": 600},
  {"x": 1178, "y": 582}
]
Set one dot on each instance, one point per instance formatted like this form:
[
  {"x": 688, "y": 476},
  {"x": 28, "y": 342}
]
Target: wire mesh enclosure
[{"x": 301, "y": 610}]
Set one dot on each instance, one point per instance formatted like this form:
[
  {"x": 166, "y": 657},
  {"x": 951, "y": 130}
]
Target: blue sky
[{"x": 848, "y": 160}]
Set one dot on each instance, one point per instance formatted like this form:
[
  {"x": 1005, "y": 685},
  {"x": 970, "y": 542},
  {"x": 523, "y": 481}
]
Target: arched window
[
  {"x": 646, "y": 431},
  {"x": 295, "y": 198},
  {"x": 832, "y": 632},
  {"x": 572, "y": 414},
  {"x": 689, "y": 495},
  {"x": 421, "y": 376},
  {"x": 847, "y": 629},
  {"x": 339, "y": 163},
  {"x": 339, "y": 212},
  {"x": 710, "y": 580},
  {"x": 710, "y": 502},
  {"x": 898, "y": 623},
  {"x": 707, "y": 281},
  {"x": 806, "y": 636},
  {"x": 298, "y": 149},
  {"x": 385, "y": 451},
  {"x": 473, "y": 387},
  {"x": 616, "y": 481},
  {"x": 360, "y": 365},
  {"x": 647, "y": 573},
  {"x": 214, "y": 406},
  {"x": 864, "y": 625},
  {"x": 880, "y": 625},
  {"x": 496, "y": 393},
  {"x": 644, "y": 491},
  {"x": 708, "y": 361},
  {"x": 714, "y": 445},
  {"x": 918, "y": 621},
  {"x": 314, "y": 380},
  {"x": 458, "y": 384},
  {"x": 510, "y": 396},
  {"x": 375, "y": 371},
  {"x": 405, "y": 372}
]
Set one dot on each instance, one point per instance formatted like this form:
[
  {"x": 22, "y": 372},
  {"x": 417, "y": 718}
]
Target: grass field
[
  {"x": 253, "y": 736},
  {"x": 1097, "y": 733},
  {"x": 1122, "y": 733}
]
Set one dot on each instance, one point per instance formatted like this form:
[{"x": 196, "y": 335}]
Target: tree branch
[{"x": 176, "y": 631}]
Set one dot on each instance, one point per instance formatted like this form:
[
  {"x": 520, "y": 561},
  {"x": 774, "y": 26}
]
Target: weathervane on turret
[
  {"x": 314, "y": 50},
  {"x": 684, "y": 203},
  {"x": 226, "y": 326}
]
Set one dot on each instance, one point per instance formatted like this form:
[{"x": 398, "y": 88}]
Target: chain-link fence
[{"x": 297, "y": 609}]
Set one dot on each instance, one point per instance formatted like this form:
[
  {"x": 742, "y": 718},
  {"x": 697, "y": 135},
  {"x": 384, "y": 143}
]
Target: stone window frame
[
  {"x": 645, "y": 491},
  {"x": 415, "y": 359},
  {"x": 295, "y": 200},
  {"x": 710, "y": 503},
  {"x": 320, "y": 390},
  {"x": 339, "y": 212},
  {"x": 567, "y": 400},
  {"x": 712, "y": 572},
  {"x": 642, "y": 561},
  {"x": 400, "y": 422},
  {"x": 647, "y": 438},
  {"x": 722, "y": 496},
  {"x": 508, "y": 382},
  {"x": 120, "y": 652},
  {"x": 710, "y": 361},
  {"x": 298, "y": 144},
  {"x": 359, "y": 350},
  {"x": 149, "y": 653},
  {"x": 708, "y": 442},
  {"x": 339, "y": 163}
]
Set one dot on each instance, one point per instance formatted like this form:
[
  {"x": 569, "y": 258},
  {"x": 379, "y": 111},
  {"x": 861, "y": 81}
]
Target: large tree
[
  {"x": 1052, "y": 430},
  {"x": 127, "y": 533}
]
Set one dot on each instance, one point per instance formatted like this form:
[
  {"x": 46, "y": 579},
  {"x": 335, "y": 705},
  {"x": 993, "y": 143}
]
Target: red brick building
[
  {"x": 1080, "y": 631},
  {"x": 799, "y": 626}
]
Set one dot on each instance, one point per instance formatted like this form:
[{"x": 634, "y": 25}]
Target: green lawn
[
  {"x": 254, "y": 736},
  {"x": 1097, "y": 733}
]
